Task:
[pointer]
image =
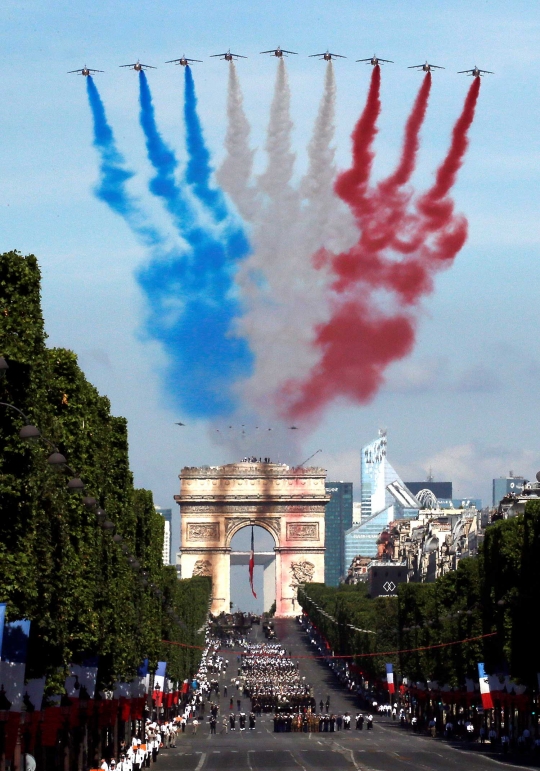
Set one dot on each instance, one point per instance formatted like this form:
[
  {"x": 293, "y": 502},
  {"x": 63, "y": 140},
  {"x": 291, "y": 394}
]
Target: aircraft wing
[
  {"x": 72, "y": 72},
  {"x": 388, "y": 61},
  {"x": 436, "y": 67},
  {"x": 272, "y": 51},
  {"x": 487, "y": 72},
  {"x": 239, "y": 56},
  {"x": 464, "y": 72},
  {"x": 312, "y": 55},
  {"x": 365, "y": 60},
  {"x": 284, "y": 50},
  {"x": 128, "y": 65},
  {"x": 415, "y": 66},
  {"x": 173, "y": 61},
  {"x": 339, "y": 56},
  {"x": 193, "y": 60},
  {"x": 148, "y": 66},
  {"x": 213, "y": 55}
]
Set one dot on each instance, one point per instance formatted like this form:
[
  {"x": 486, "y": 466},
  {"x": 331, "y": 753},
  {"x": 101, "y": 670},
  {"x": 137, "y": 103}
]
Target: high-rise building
[
  {"x": 337, "y": 520},
  {"x": 384, "y": 499},
  {"x": 169, "y": 556},
  {"x": 506, "y": 485},
  {"x": 166, "y": 542}
]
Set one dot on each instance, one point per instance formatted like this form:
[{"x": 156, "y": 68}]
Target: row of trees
[
  {"x": 57, "y": 567},
  {"x": 494, "y": 594}
]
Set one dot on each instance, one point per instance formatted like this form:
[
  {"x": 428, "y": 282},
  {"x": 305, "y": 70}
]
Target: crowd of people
[{"x": 142, "y": 752}]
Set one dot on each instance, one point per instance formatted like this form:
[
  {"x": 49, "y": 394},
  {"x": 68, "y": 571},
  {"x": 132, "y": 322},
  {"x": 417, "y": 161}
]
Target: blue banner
[
  {"x": 142, "y": 671},
  {"x": 2, "y": 617},
  {"x": 15, "y": 641}
]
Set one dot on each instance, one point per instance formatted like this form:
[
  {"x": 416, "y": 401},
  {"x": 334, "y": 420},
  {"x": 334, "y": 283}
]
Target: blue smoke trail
[
  {"x": 113, "y": 173},
  {"x": 192, "y": 297},
  {"x": 198, "y": 170}
]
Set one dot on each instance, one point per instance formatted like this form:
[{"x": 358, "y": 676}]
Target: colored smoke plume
[
  {"x": 192, "y": 301},
  {"x": 198, "y": 170},
  {"x": 235, "y": 172},
  {"x": 286, "y": 296},
  {"x": 113, "y": 172},
  {"x": 403, "y": 242}
]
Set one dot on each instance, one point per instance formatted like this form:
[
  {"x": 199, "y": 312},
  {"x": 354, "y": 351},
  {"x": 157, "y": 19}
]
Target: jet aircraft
[
  {"x": 183, "y": 61},
  {"x": 279, "y": 52},
  {"x": 425, "y": 67},
  {"x": 328, "y": 56},
  {"x": 228, "y": 57},
  {"x": 86, "y": 71},
  {"x": 476, "y": 72},
  {"x": 374, "y": 61},
  {"x": 138, "y": 66}
]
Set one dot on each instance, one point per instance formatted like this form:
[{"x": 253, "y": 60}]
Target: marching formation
[{"x": 271, "y": 679}]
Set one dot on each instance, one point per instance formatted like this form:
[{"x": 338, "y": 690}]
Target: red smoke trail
[
  {"x": 351, "y": 186},
  {"x": 357, "y": 346},
  {"x": 402, "y": 244},
  {"x": 384, "y": 218}
]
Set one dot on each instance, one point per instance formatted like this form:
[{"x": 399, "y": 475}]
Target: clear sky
[{"x": 465, "y": 402}]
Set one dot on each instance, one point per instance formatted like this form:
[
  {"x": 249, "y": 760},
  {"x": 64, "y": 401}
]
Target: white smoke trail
[
  {"x": 326, "y": 221},
  {"x": 234, "y": 175},
  {"x": 285, "y": 294}
]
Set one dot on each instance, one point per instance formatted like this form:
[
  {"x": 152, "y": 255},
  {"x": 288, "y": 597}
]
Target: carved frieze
[
  {"x": 302, "y": 531},
  {"x": 202, "y": 568},
  {"x": 203, "y": 531},
  {"x": 301, "y": 573},
  {"x": 265, "y": 508}
]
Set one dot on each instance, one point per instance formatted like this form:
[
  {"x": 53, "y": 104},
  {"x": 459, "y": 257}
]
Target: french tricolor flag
[
  {"x": 390, "y": 678},
  {"x": 252, "y": 564},
  {"x": 485, "y": 690}
]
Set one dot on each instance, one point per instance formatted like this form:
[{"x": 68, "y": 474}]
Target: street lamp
[{"x": 56, "y": 459}]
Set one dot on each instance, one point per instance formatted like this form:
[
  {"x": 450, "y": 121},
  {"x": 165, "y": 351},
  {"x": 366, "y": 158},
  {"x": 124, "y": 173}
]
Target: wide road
[{"x": 386, "y": 748}]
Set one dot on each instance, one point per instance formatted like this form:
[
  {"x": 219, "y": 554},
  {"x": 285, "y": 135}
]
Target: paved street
[{"x": 386, "y": 748}]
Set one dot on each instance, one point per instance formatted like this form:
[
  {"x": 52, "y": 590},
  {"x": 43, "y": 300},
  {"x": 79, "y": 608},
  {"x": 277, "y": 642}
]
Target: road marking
[
  {"x": 296, "y": 760},
  {"x": 201, "y": 761}
]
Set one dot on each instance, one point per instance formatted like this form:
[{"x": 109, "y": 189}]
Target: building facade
[
  {"x": 384, "y": 498},
  {"x": 218, "y": 501},
  {"x": 503, "y": 486},
  {"x": 338, "y": 519},
  {"x": 169, "y": 556}
]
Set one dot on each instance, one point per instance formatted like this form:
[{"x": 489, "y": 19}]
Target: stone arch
[
  {"x": 235, "y": 524},
  {"x": 287, "y": 502}
]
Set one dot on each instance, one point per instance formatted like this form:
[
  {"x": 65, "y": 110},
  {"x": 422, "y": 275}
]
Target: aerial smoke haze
[
  {"x": 269, "y": 322},
  {"x": 235, "y": 173},
  {"x": 287, "y": 295}
]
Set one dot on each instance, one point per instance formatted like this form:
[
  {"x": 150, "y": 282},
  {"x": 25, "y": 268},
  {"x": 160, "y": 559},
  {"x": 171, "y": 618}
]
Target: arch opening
[{"x": 264, "y": 574}]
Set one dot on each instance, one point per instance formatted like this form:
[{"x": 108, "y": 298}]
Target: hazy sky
[{"x": 465, "y": 402}]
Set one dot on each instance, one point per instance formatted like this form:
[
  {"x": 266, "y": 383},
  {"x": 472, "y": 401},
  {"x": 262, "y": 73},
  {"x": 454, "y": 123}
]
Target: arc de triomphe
[{"x": 217, "y": 501}]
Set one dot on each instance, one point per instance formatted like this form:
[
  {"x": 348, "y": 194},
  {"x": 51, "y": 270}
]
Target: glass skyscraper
[
  {"x": 337, "y": 519},
  {"x": 384, "y": 498}
]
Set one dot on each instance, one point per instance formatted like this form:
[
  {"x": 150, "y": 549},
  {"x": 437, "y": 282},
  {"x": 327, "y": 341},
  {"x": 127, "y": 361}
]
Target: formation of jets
[
  {"x": 327, "y": 57},
  {"x": 183, "y": 61},
  {"x": 425, "y": 67},
  {"x": 138, "y": 66},
  {"x": 228, "y": 57},
  {"x": 279, "y": 52},
  {"x": 374, "y": 61},
  {"x": 86, "y": 71},
  {"x": 476, "y": 72}
]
